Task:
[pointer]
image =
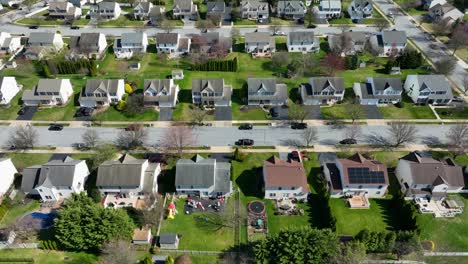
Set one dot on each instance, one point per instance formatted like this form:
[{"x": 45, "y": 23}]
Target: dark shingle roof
[
  {"x": 301, "y": 36},
  {"x": 124, "y": 172},
  {"x": 166, "y": 38},
  {"x": 318, "y": 84},
  {"x": 202, "y": 173},
  {"x": 382, "y": 83},
  {"x": 167, "y": 238}
]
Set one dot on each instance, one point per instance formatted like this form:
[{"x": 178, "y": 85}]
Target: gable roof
[
  {"x": 394, "y": 36},
  {"x": 127, "y": 171},
  {"x": 144, "y": 6},
  {"x": 435, "y": 82},
  {"x": 51, "y": 85},
  {"x": 361, "y": 3},
  {"x": 301, "y": 36},
  {"x": 42, "y": 37},
  {"x": 167, "y": 238},
  {"x": 281, "y": 173},
  {"x": 167, "y": 38},
  {"x": 215, "y": 7},
  {"x": 335, "y": 4},
  {"x": 427, "y": 170},
  {"x": 86, "y": 39},
  {"x": 298, "y": 6},
  {"x": 256, "y": 84},
  {"x": 133, "y": 37},
  {"x": 254, "y": 4},
  {"x": 367, "y": 171},
  {"x": 183, "y": 4},
  {"x": 107, "y": 5},
  {"x": 215, "y": 85},
  {"x": 382, "y": 83},
  {"x": 106, "y": 85},
  {"x": 257, "y": 37},
  {"x": 319, "y": 84}
]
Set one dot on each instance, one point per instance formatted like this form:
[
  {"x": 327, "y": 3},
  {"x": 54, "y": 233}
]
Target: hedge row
[
  {"x": 20, "y": 260},
  {"x": 69, "y": 67},
  {"x": 217, "y": 65},
  {"x": 49, "y": 245}
]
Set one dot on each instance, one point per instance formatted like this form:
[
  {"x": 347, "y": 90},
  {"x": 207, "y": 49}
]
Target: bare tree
[
  {"x": 446, "y": 65},
  {"x": 441, "y": 27},
  {"x": 457, "y": 139},
  {"x": 355, "y": 111},
  {"x": 353, "y": 131},
  {"x": 177, "y": 138},
  {"x": 197, "y": 115},
  {"x": 90, "y": 138},
  {"x": 23, "y": 137},
  {"x": 278, "y": 59},
  {"x": 297, "y": 113},
  {"x": 332, "y": 64},
  {"x": 275, "y": 26},
  {"x": 130, "y": 139},
  {"x": 343, "y": 43},
  {"x": 167, "y": 25},
  {"x": 465, "y": 84},
  {"x": 381, "y": 24},
  {"x": 402, "y": 133},
  {"x": 309, "y": 135},
  {"x": 215, "y": 19},
  {"x": 459, "y": 38},
  {"x": 183, "y": 259},
  {"x": 310, "y": 16},
  {"x": 204, "y": 25},
  {"x": 118, "y": 252},
  {"x": 235, "y": 35},
  {"x": 198, "y": 58},
  {"x": 393, "y": 12}
]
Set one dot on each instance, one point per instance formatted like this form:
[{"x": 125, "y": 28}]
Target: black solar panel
[{"x": 365, "y": 176}]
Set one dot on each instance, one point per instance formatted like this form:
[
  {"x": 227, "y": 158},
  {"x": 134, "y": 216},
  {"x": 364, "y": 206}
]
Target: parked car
[
  {"x": 348, "y": 141},
  {"x": 299, "y": 125},
  {"x": 56, "y": 127},
  {"x": 84, "y": 111},
  {"x": 244, "y": 142},
  {"x": 458, "y": 99},
  {"x": 74, "y": 27},
  {"x": 22, "y": 111},
  {"x": 33, "y": 27},
  {"x": 245, "y": 127},
  {"x": 274, "y": 112}
]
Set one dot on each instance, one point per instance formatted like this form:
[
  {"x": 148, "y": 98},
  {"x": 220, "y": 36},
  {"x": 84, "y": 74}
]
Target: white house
[
  {"x": 7, "y": 175},
  {"x": 40, "y": 43},
  {"x": 8, "y": 89},
  {"x": 284, "y": 179},
  {"x": 88, "y": 45},
  {"x": 49, "y": 92},
  {"x": 265, "y": 91},
  {"x": 9, "y": 44},
  {"x": 64, "y": 10},
  {"x": 302, "y": 41},
  {"x": 259, "y": 42},
  {"x": 255, "y": 10},
  {"x": 184, "y": 9},
  {"x": 212, "y": 92},
  {"x": 420, "y": 175},
  {"x": 379, "y": 91},
  {"x": 10, "y": 3},
  {"x": 160, "y": 92},
  {"x": 105, "y": 11},
  {"x": 55, "y": 180},
  {"x": 390, "y": 42},
  {"x": 102, "y": 92},
  {"x": 442, "y": 10},
  {"x": 328, "y": 9},
  {"x": 172, "y": 43},
  {"x": 428, "y": 89},
  {"x": 291, "y": 9},
  {"x": 130, "y": 44},
  {"x": 359, "y": 9},
  {"x": 142, "y": 10}
]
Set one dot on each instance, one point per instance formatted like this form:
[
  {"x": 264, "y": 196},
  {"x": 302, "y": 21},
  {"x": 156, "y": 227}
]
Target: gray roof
[
  {"x": 30, "y": 178},
  {"x": 41, "y": 37},
  {"x": 157, "y": 11},
  {"x": 107, "y": 5},
  {"x": 298, "y": 6},
  {"x": 254, "y": 4},
  {"x": 166, "y": 38},
  {"x": 144, "y": 6},
  {"x": 183, "y": 4},
  {"x": 318, "y": 84},
  {"x": 199, "y": 85},
  {"x": 85, "y": 39},
  {"x": 258, "y": 37},
  {"x": 44, "y": 85},
  {"x": 107, "y": 85},
  {"x": 167, "y": 238},
  {"x": 158, "y": 85},
  {"x": 382, "y": 83},
  {"x": 58, "y": 5},
  {"x": 393, "y": 36},
  {"x": 367, "y": 93},
  {"x": 202, "y": 173},
  {"x": 361, "y": 3},
  {"x": 133, "y": 37},
  {"x": 215, "y": 7},
  {"x": 125, "y": 172},
  {"x": 301, "y": 36},
  {"x": 435, "y": 82},
  {"x": 256, "y": 85}
]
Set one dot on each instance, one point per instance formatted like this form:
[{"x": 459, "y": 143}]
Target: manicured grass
[
  {"x": 195, "y": 237},
  {"x": 338, "y": 111},
  {"x": 122, "y": 21},
  {"x": 449, "y": 234},
  {"x": 112, "y": 114},
  {"x": 408, "y": 111},
  {"x": 280, "y": 21},
  {"x": 444, "y": 114},
  {"x": 339, "y": 21},
  {"x": 81, "y": 22},
  {"x": 245, "y": 22},
  {"x": 50, "y": 256},
  {"x": 278, "y": 222},
  {"x": 24, "y": 160},
  {"x": 445, "y": 259},
  {"x": 17, "y": 211}
]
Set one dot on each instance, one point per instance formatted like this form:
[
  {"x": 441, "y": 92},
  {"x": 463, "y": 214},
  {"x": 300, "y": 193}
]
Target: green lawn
[
  {"x": 195, "y": 237},
  {"x": 122, "y": 21},
  {"x": 408, "y": 111},
  {"x": 17, "y": 211},
  {"x": 245, "y": 22},
  {"x": 24, "y": 160},
  {"x": 444, "y": 114},
  {"x": 81, "y": 22},
  {"x": 50, "y": 256},
  {"x": 340, "y": 21},
  {"x": 278, "y": 222},
  {"x": 112, "y": 114}
]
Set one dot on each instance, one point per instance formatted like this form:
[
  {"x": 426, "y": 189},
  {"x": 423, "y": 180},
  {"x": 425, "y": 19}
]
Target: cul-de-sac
[{"x": 233, "y": 131}]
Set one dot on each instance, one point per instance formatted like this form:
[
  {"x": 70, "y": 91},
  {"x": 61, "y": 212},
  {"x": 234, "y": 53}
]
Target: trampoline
[{"x": 256, "y": 207}]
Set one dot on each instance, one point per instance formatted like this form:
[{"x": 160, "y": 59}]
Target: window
[
  {"x": 205, "y": 193},
  {"x": 40, "y": 190},
  {"x": 60, "y": 194},
  {"x": 293, "y": 188},
  {"x": 377, "y": 192},
  {"x": 380, "y": 186},
  {"x": 279, "y": 188},
  {"x": 272, "y": 194}
]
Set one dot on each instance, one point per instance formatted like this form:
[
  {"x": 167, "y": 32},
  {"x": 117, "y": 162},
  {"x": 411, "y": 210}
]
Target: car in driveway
[
  {"x": 84, "y": 111},
  {"x": 299, "y": 125},
  {"x": 459, "y": 99},
  {"x": 348, "y": 141},
  {"x": 244, "y": 142},
  {"x": 22, "y": 111},
  {"x": 245, "y": 127},
  {"x": 274, "y": 112},
  {"x": 55, "y": 127}
]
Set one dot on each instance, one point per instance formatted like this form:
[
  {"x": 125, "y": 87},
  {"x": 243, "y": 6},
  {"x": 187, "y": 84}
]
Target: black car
[
  {"x": 74, "y": 27},
  {"x": 244, "y": 142},
  {"x": 245, "y": 127},
  {"x": 22, "y": 111},
  {"x": 55, "y": 127},
  {"x": 299, "y": 126},
  {"x": 84, "y": 111},
  {"x": 33, "y": 27},
  {"x": 274, "y": 112},
  {"x": 348, "y": 141}
]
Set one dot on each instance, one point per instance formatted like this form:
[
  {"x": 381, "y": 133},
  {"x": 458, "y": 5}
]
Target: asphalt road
[{"x": 224, "y": 136}]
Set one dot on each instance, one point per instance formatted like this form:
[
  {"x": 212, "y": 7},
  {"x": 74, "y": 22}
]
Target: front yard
[{"x": 49, "y": 256}]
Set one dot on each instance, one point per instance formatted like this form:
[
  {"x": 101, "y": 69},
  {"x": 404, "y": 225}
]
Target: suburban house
[
  {"x": 390, "y": 42},
  {"x": 203, "y": 177},
  {"x": 172, "y": 43},
  {"x": 160, "y": 92},
  {"x": 127, "y": 180},
  {"x": 55, "y": 180},
  {"x": 211, "y": 43},
  {"x": 255, "y": 10},
  {"x": 284, "y": 179},
  {"x": 64, "y": 10},
  {"x": 88, "y": 45},
  {"x": 354, "y": 176},
  {"x": 41, "y": 43},
  {"x": 360, "y": 9},
  {"x": 259, "y": 42},
  {"x": 130, "y": 44},
  {"x": 142, "y": 10},
  {"x": 102, "y": 92},
  {"x": 291, "y": 9},
  {"x": 9, "y": 44},
  {"x": 80, "y": 3},
  {"x": 105, "y": 11},
  {"x": 328, "y": 9},
  {"x": 379, "y": 90},
  {"x": 322, "y": 90},
  {"x": 265, "y": 91},
  {"x": 9, "y": 88},
  {"x": 185, "y": 9},
  {"x": 212, "y": 92},
  {"x": 445, "y": 11},
  {"x": 168, "y": 241},
  {"x": 156, "y": 15},
  {"x": 7, "y": 176},
  {"x": 302, "y": 41},
  {"x": 219, "y": 9},
  {"x": 49, "y": 92},
  {"x": 428, "y": 89},
  {"x": 358, "y": 40},
  {"x": 10, "y": 3},
  {"x": 141, "y": 236},
  {"x": 420, "y": 175}
]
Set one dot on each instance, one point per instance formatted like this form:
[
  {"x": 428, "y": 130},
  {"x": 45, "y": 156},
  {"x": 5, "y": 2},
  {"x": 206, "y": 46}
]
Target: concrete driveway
[
  {"x": 223, "y": 113},
  {"x": 165, "y": 114},
  {"x": 314, "y": 111},
  {"x": 282, "y": 113},
  {"x": 372, "y": 112},
  {"x": 29, "y": 112}
]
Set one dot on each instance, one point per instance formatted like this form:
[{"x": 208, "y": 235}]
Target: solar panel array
[{"x": 365, "y": 176}]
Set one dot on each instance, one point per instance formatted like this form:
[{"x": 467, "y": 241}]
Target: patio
[
  {"x": 288, "y": 207},
  {"x": 196, "y": 204},
  {"x": 358, "y": 202},
  {"x": 440, "y": 208},
  {"x": 117, "y": 201}
]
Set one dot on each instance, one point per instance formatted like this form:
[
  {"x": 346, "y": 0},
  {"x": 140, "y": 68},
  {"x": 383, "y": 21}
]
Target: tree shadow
[
  {"x": 314, "y": 209},
  {"x": 242, "y": 253},
  {"x": 239, "y": 96},
  {"x": 431, "y": 140},
  {"x": 250, "y": 182},
  {"x": 291, "y": 143},
  {"x": 185, "y": 96},
  {"x": 166, "y": 181},
  {"x": 294, "y": 94},
  {"x": 238, "y": 47}
]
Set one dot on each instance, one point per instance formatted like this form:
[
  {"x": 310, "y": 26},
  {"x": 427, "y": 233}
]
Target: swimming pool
[{"x": 39, "y": 220}]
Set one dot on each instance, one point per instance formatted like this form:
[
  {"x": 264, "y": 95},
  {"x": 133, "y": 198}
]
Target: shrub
[
  {"x": 121, "y": 105},
  {"x": 128, "y": 89}
]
